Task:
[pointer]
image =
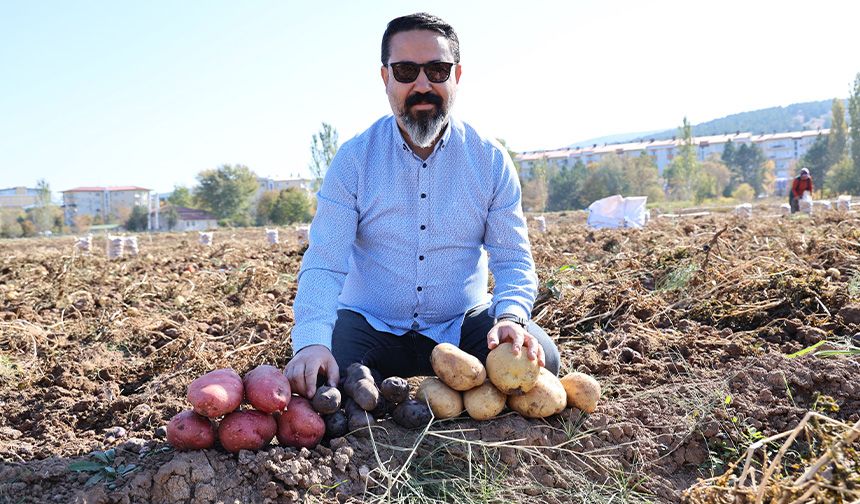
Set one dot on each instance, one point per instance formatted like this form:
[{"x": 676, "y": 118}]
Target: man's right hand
[{"x": 305, "y": 367}]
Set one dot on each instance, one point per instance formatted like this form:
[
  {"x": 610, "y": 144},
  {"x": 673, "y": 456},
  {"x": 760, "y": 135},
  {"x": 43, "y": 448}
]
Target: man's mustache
[{"x": 418, "y": 98}]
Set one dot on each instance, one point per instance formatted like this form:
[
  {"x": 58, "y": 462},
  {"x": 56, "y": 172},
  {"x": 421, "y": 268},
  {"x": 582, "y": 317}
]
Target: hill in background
[{"x": 794, "y": 117}]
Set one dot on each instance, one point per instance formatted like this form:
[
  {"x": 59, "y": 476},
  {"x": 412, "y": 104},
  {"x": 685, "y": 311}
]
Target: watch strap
[{"x": 512, "y": 318}]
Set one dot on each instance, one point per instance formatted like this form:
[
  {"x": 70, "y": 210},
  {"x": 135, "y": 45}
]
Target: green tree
[
  {"x": 815, "y": 160},
  {"x": 854, "y": 112},
  {"x": 744, "y": 193},
  {"x": 171, "y": 217},
  {"x": 842, "y": 177},
  {"x": 138, "y": 219},
  {"x": 747, "y": 166},
  {"x": 642, "y": 178},
  {"x": 728, "y": 159},
  {"x": 719, "y": 176},
  {"x": 604, "y": 178},
  {"x": 534, "y": 187},
  {"x": 728, "y": 156},
  {"x": 564, "y": 187},
  {"x": 293, "y": 205},
  {"x": 683, "y": 173},
  {"x": 265, "y": 204},
  {"x": 181, "y": 196},
  {"x": 227, "y": 192},
  {"x": 42, "y": 213},
  {"x": 9, "y": 225},
  {"x": 838, "y": 137},
  {"x": 323, "y": 148}
]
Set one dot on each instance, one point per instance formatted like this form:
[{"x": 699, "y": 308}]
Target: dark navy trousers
[{"x": 354, "y": 340}]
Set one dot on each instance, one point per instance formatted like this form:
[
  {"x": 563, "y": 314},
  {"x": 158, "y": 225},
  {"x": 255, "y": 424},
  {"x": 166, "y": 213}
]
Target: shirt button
[
  {"x": 424, "y": 165},
  {"x": 423, "y": 195},
  {"x": 420, "y": 258},
  {"x": 419, "y": 288},
  {"x": 423, "y": 227},
  {"x": 415, "y": 315}
]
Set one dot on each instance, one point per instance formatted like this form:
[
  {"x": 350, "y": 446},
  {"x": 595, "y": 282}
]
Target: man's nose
[{"x": 422, "y": 82}]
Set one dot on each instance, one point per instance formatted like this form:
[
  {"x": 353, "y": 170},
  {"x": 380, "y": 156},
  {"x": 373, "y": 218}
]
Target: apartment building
[
  {"x": 784, "y": 149},
  {"x": 18, "y": 197},
  {"x": 109, "y": 203},
  {"x": 270, "y": 184}
]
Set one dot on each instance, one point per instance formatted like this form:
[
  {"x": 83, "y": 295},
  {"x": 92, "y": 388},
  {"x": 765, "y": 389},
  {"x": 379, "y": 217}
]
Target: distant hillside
[{"x": 798, "y": 116}]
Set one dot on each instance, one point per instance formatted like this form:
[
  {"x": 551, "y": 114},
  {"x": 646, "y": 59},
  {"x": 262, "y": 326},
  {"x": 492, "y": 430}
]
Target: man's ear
[
  {"x": 457, "y": 71},
  {"x": 383, "y": 71}
]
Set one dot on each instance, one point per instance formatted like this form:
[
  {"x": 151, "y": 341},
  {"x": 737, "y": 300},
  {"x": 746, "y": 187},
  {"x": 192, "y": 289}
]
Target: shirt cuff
[
  {"x": 310, "y": 334},
  {"x": 512, "y": 308}
]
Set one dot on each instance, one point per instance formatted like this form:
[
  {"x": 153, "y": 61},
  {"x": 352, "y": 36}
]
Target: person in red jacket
[{"x": 799, "y": 185}]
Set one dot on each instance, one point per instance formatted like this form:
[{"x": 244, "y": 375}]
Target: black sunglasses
[{"x": 407, "y": 71}]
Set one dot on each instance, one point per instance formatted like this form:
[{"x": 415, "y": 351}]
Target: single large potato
[
  {"x": 546, "y": 398},
  {"x": 444, "y": 401},
  {"x": 484, "y": 402},
  {"x": 582, "y": 390},
  {"x": 246, "y": 430},
  {"x": 189, "y": 431},
  {"x": 267, "y": 388},
  {"x": 512, "y": 374},
  {"x": 458, "y": 369},
  {"x": 216, "y": 393},
  {"x": 300, "y": 426}
]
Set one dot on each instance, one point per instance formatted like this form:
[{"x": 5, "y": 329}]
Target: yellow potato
[
  {"x": 484, "y": 402},
  {"x": 458, "y": 369},
  {"x": 444, "y": 401},
  {"x": 546, "y": 398},
  {"x": 512, "y": 374},
  {"x": 582, "y": 391}
]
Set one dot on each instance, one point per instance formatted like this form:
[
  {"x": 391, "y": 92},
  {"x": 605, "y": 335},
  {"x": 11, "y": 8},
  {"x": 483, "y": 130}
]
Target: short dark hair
[{"x": 419, "y": 21}]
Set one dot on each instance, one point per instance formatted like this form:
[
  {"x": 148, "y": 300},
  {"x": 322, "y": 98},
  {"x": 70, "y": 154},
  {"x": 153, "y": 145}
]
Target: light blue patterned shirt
[{"x": 404, "y": 241}]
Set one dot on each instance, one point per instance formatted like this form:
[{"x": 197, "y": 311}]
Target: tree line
[
  {"x": 742, "y": 171},
  {"x": 230, "y": 192}
]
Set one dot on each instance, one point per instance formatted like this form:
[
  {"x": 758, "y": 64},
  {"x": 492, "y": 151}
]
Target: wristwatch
[{"x": 512, "y": 318}]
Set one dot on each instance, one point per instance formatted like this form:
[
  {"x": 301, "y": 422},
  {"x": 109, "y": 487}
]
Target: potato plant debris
[{"x": 699, "y": 330}]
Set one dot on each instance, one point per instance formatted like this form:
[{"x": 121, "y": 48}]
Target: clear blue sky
[{"x": 151, "y": 93}]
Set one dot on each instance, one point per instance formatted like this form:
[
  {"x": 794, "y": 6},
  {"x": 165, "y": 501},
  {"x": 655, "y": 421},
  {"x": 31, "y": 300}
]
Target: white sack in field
[{"x": 618, "y": 211}]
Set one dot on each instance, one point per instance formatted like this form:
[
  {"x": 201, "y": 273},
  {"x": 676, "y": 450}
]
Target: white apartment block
[
  {"x": 784, "y": 149},
  {"x": 109, "y": 203}
]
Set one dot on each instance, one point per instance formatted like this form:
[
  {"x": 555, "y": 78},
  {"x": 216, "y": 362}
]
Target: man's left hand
[{"x": 507, "y": 331}]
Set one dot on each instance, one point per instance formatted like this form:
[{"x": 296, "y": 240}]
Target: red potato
[
  {"x": 267, "y": 388},
  {"x": 300, "y": 426},
  {"x": 246, "y": 430},
  {"x": 189, "y": 431},
  {"x": 216, "y": 393}
]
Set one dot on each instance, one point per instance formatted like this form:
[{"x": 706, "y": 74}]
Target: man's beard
[{"x": 425, "y": 125}]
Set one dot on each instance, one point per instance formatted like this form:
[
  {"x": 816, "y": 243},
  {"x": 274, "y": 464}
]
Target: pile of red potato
[{"x": 461, "y": 383}]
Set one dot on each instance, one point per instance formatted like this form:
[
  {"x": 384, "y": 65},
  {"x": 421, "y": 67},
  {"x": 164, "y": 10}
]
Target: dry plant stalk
[{"x": 823, "y": 479}]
